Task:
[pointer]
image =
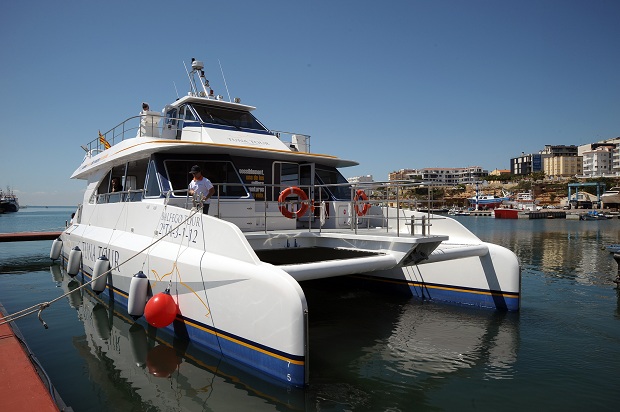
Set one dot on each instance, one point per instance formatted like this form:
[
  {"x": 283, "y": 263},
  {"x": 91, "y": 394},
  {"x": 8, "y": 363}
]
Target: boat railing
[
  {"x": 129, "y": 128},
  {"x": 296, "y": 141},
  {"x": 133, "y": 195},
  {"x": 155, "y": 125},
  {"x": 377, "y": 205}
]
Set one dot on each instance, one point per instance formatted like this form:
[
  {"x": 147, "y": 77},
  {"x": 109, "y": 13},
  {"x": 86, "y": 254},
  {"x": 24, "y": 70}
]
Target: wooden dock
[{"x": 28, "y": 236}]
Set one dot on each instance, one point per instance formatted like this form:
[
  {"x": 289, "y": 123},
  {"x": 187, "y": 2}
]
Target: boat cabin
[{"x": 249, "y": 166}]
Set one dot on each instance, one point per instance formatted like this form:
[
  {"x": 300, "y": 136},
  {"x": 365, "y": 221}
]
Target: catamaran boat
[{"x": 280, "y": 216}]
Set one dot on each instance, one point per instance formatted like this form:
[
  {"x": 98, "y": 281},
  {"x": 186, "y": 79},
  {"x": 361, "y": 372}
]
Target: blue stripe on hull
[
  {"x": 464, "y": 296},
  {"x": 280, "y": 365},
  {"x": 484, "y": 298}
]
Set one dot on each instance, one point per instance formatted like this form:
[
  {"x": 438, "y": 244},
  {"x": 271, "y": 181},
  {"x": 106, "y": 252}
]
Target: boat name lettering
[
  {"x": 248, "y": 141},
  {"x": 178, "y": 218},
  {"x": 92, "y": 252}
]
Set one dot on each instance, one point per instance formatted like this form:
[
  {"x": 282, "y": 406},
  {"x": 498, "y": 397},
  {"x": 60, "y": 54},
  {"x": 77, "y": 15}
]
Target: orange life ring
[
  {"x": 361, "y": 207},
  {"x": 293, "y": 190}
]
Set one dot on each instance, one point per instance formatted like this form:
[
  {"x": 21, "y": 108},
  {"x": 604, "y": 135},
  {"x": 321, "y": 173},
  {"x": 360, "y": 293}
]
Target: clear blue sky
[{"x": 391, "y": 84}]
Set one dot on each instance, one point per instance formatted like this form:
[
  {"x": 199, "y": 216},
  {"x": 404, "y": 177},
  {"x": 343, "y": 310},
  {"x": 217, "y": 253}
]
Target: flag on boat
[{"x": 103, "y": 141}]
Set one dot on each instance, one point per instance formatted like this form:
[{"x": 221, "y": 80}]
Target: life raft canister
[
  {"x": 293, "y": 190},
  {"x": 362, "y": 206}
]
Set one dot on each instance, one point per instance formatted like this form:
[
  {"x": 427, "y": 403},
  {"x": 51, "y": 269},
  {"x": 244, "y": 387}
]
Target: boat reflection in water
[
  {"x": 360, "y": 339},
  {"x": 160, "y": 371},
  {"x": 400, "y": 346}
]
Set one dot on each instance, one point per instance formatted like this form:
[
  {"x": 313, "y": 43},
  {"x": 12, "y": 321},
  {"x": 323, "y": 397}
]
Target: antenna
[
  {"x": 227, "y": 92},
  {"x": 175, "y": 89},
  {"x": 191, "y": 80}
]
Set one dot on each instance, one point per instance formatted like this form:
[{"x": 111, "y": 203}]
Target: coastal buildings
[
  {"x": 592, "y": 160},
  {"x": 360, "y": 179},
  {"x": 561, "y": 161},
  {"x": 598, "y": 162},
  {"x": 526, "y": 164},
  {"x": 601, "y": 159},
  {"x": 448, "y": 176}
]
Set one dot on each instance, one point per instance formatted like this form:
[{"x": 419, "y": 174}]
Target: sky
[{"x": 390, "y": 84}]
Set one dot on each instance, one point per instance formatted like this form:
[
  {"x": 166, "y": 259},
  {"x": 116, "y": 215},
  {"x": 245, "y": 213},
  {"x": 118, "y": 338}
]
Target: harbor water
[{"x": 368, "y": 351}]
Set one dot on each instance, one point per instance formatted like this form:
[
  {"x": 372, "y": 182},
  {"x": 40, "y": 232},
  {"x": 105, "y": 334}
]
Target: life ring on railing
[
  {"x": 361, "y": 207},
  {"x": 293, "y": 190}
]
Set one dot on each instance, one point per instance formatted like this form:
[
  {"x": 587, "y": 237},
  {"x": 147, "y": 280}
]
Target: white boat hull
[
  {"x": 228, "y": 300},
  {"x": 255, "y": 312}
]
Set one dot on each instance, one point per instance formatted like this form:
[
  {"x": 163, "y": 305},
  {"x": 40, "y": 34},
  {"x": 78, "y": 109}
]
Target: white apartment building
[
  {"x": 598, "y": 162},
  {"x": 601, "y": 159},
  {"x": 360, "y": 179},
  {"x": 450, "y": 176}
]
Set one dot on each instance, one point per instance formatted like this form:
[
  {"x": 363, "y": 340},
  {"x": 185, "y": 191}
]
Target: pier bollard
[{"x": 617, "y": 259}]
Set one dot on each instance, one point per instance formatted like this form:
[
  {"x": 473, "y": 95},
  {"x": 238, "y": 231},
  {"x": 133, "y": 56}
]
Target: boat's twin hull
[{"x": 254, "y": 312}]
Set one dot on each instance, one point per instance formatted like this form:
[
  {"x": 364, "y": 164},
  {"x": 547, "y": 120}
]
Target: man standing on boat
[{"x": 201, "y": 186}]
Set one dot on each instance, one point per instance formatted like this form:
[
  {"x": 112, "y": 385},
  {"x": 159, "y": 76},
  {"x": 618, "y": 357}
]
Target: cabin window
[
  {"x": 333, "y": 177},
  {"x": 152, "y": 182},
  {"x": 171, "y": 117},
  {"x": 124, "y": 183},
  {"x": 228, "y": 117},
  {"x": 187, "y": 113},
  {"x": 222, "y": 174}
]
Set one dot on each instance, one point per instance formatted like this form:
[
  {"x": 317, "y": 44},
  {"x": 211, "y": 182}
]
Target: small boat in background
[
  {"x": 523, "y": 202},
  {"x": 592, "y": 215},
  {"x": 481, "y": 201},
  {"x": 613, "y": 248}
]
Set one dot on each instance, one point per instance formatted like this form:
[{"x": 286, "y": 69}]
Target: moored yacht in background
[
  {"x": 8, "y": 201},
  {"x": 280, "y": 216}
]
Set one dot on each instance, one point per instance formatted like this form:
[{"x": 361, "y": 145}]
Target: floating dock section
[
  {"x": 28, "y": 236},
  {"x": 22, "y": 386},
  {"x": 520, "y": 214}
]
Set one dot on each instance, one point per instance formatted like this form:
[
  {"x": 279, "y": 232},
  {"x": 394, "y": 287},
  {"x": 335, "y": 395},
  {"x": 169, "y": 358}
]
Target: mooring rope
[{"x": 39, "y": 307}]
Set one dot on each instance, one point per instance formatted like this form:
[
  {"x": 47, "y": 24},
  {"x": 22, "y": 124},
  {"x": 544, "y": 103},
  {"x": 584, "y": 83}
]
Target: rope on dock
[{"x": 40, "y": 307}]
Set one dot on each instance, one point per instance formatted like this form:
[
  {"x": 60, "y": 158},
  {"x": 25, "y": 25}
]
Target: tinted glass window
[
  {"x": 228, "y": 117},
  {"x": 333, "y": 176},
  {"x": 152, "y": 183}
]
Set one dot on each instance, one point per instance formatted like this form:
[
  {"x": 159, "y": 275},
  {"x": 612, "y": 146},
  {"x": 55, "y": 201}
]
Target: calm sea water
[{"x": 368, "y": 352}]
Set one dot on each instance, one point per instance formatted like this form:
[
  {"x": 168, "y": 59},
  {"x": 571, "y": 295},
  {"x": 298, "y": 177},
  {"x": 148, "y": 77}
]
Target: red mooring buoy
[{"x": 160, "y": 310}]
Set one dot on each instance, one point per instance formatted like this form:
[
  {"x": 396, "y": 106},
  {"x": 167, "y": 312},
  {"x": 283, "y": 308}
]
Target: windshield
[
  {"x": 228, "y": 117},
  {"x": 333, "y": 177}
]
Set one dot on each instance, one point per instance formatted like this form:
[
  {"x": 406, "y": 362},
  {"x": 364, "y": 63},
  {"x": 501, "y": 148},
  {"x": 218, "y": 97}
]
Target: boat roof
[
  {"x": 211, "y": 101},
  {"x": 143, "y": 147},
  {"x": 127, "y": 142}
]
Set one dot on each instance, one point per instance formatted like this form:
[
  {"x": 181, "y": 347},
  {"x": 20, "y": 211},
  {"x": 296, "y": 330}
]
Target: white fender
[
  {"x": 102, "y": 265},
  {"x": 75, "y": 259},
  {"x": 137, "y": 295},
  {"x": 56, "y": 249}
]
